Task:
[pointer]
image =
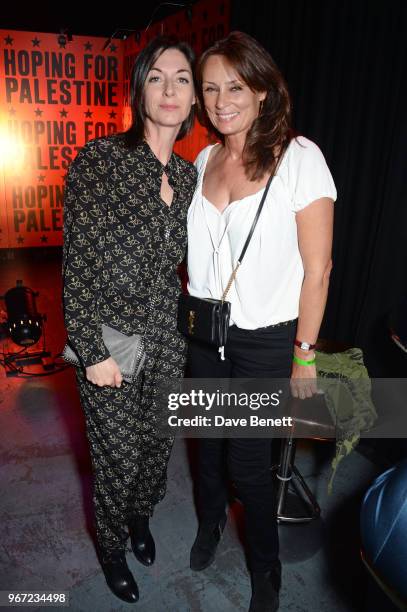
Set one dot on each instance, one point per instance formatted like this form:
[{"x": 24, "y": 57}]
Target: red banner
[
  {"x": 54, "y": 98},
  {"x": 57, "y": 95}
]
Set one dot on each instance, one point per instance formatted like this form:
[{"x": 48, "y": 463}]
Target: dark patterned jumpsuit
[{"x": 117, "y": 229}]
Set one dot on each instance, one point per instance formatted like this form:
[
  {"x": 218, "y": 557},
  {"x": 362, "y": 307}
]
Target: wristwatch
[{"x": 304, "y": 346}]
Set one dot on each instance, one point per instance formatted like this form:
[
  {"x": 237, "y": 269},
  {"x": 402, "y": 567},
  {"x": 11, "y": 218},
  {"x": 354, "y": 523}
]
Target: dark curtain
[{"x": 346, "y": 66}]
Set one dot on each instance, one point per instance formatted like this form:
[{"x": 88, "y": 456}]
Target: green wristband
[{"x": 303, "y": 361}]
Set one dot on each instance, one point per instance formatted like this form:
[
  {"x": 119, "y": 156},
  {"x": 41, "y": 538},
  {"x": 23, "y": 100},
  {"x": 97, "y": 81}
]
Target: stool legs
[
  {"x": 284, "y": 473},
  {"x": 288, "y": 472}
]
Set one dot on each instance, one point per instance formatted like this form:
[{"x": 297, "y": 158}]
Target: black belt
[{"x": 281, "y": 324}]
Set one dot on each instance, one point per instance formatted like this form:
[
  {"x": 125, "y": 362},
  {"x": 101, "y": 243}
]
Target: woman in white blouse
[{"x": 279, "y": 294}]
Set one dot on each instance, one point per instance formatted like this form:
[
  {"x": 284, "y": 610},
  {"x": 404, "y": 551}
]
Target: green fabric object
[{"x": 349, "y": 402}]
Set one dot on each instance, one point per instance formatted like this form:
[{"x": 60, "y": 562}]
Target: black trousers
[{"x": 261, "y": 353}]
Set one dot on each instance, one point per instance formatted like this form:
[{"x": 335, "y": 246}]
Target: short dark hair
[
  {"x": 271, "y": 131},
  {"x": 143, "y": 64}
]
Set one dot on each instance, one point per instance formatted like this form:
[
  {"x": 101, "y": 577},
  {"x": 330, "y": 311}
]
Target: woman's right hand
[{"x": 105, "y": 373}]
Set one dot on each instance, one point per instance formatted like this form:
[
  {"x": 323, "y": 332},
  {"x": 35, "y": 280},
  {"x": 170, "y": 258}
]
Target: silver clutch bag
[{"x": 127, "y": 351}]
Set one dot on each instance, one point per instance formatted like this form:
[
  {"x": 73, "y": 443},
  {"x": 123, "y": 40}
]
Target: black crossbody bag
[{"x": 207, "y": 319}]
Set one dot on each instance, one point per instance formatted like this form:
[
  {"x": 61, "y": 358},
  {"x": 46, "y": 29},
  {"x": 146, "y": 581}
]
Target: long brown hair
[{"x": 271, "y": 132}]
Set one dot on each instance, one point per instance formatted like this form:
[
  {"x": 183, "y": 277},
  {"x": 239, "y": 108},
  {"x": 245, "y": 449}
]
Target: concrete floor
[{"x": 46, "y": 517}]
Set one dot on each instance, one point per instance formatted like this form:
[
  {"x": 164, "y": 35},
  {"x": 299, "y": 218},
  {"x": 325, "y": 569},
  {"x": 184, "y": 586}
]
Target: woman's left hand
[{"x": 303, "y": 381}]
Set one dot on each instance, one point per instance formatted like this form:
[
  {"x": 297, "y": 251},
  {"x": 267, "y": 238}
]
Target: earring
[{"x": 261, "y": 107}]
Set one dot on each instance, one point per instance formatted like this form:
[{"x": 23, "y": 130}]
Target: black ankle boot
[
  {"x": 204, "y": 548},
  {"x": 141, "y": 539},
  {"x": 119, "y": 578},
  {"x": 265, "y": 589}
]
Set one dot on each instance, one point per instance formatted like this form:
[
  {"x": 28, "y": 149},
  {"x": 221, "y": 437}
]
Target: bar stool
[{"x": 299, "y": 505}]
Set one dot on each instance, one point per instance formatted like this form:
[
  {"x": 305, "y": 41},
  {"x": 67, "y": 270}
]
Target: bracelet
[{"x": 303, "y": 361}]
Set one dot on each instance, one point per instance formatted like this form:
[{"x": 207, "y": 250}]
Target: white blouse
[{"x": 268, "y": 283}]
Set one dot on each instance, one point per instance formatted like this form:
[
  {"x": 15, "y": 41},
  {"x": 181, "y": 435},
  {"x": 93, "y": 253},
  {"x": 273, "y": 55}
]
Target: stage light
[
  {"x": 64, "y": 36},
  {"x": 11, "y": 151},
  {"x": 24, "y": 323}
]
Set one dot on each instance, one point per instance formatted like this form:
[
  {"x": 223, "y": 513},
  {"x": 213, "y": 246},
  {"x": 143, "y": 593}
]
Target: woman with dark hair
[
  {"x": 126, "y": 203},
  {"x": 279, "y": 292}
]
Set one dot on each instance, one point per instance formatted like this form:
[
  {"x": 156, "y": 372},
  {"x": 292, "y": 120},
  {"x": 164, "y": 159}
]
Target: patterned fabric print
[{"x": 117, "y": 231}]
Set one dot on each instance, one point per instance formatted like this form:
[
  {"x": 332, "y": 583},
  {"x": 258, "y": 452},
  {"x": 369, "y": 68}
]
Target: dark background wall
[{"x": 346, "y": 65}]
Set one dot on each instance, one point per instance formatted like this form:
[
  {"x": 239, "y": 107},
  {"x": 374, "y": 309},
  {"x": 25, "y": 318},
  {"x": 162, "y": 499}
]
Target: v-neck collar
[{"x": 170, "y": 169}]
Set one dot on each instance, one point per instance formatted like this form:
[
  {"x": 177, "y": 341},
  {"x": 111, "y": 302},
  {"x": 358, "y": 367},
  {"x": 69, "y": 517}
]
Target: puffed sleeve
[
  {"x": 200, "y": 160},
  {"x": 84, "y": 215},
  {"x": 309, "y": 175}
]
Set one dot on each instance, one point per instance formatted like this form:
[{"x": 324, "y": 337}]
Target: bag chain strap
[{"x": 230, "y": 282}]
